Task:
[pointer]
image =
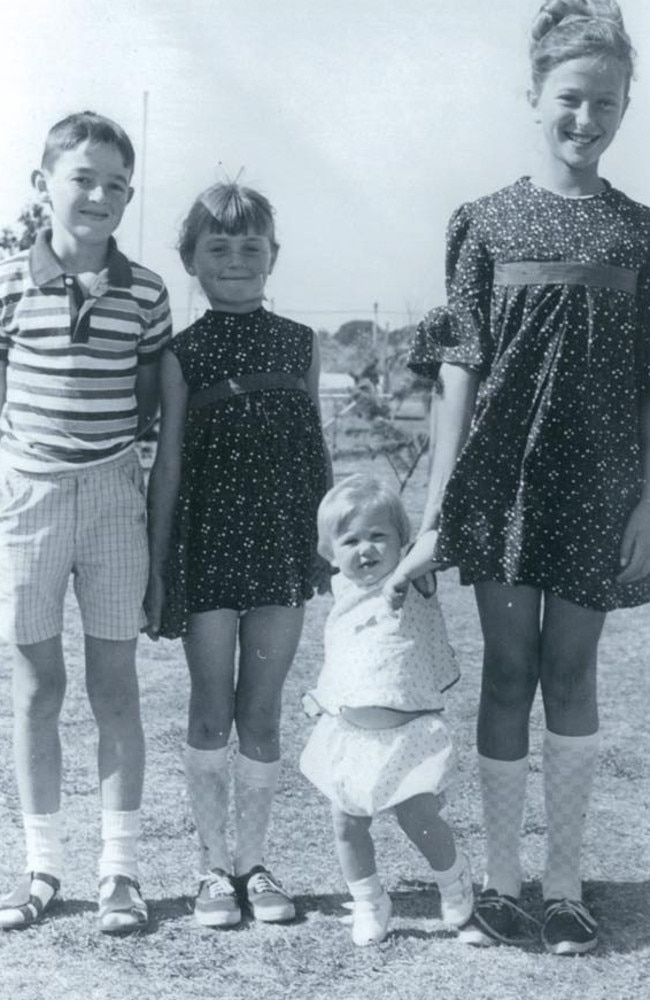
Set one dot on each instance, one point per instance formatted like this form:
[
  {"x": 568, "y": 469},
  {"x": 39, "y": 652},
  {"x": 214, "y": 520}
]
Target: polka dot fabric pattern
[
  {"x": 552, "y": 467},
  {"x": 253, "y": 472}
]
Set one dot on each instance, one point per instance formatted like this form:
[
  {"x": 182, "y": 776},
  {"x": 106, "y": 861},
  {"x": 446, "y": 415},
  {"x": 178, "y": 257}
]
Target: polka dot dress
[
  {"x": 253, "y": 472},
  {"x": 552, "y": 467}
]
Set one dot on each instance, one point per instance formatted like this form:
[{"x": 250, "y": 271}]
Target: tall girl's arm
[
  {"x": 312, "y": 376},
  {"x": 3, "y": 383},
  {"x": 451, "y": 415},
  {"x": 635, "y": 547},
  {"x": 164, "y": 483}
]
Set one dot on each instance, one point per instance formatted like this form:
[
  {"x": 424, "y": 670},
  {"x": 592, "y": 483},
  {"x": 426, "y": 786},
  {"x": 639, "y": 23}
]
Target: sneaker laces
[
  {"x": 264, "y": 882},
  {"x": 498, "y": 903},
  {"x": 218, "y": 885},
  {"x": 571, "y": 908}
]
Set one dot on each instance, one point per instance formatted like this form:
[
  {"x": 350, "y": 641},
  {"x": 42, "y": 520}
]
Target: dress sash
[
  {"x": 246, "y": 383},
  {"x": 552, "y": 272}
]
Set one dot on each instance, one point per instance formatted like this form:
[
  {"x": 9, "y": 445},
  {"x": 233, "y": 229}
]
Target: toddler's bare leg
[
  {"x": 420, "y": 819},
  {"x": 354, "y": 847}
]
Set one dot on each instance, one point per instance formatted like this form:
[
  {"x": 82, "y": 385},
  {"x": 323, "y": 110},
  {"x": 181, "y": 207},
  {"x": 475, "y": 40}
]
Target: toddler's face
[
  {"x": 367, "y": 548},
  {"x": 232, "y": 270}
]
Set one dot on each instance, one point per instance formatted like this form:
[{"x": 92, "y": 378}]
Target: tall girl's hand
[
  {"x": 153, "y": 605},
  {"x": 635, "y": 547}
]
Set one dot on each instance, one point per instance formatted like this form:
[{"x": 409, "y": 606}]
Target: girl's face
[
  {"x": 232, "y": 270},
  {"x": 368, "y": 547},
  {"x": 580, "y": 106}
]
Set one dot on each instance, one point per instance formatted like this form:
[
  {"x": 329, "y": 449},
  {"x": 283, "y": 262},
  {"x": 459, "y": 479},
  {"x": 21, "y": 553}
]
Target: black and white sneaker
[
  {"x": 497, "y": 919},
  {"x": 569, "y": 928}
]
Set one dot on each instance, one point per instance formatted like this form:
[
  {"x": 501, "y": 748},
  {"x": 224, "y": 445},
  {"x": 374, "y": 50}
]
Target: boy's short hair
[
  {"x": 226, "y": 208},
  {"x": 85, "y": 126},
  {"x": 358, "y": 494}
]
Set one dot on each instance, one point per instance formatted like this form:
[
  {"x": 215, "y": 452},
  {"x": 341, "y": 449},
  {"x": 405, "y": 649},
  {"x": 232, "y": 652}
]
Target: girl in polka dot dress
[
  {"x": 380, "y": 742},
  {"x": 240, "y": 469},
  {"x": 540, "y": 486}
]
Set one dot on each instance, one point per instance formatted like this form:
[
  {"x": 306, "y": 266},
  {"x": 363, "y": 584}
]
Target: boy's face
[
  {"x": 367, "y": 547},
  {"x": 232, "y": 270},
  {"x": 87, "y": 188}
]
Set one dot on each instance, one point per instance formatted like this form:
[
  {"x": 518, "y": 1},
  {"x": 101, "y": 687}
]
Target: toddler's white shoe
[
  {"x": 370, "y": 918},
  {"x": 457, "y": 897}
]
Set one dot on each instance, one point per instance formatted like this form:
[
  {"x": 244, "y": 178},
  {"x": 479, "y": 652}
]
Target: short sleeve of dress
[{"x": 459, "y": 333}]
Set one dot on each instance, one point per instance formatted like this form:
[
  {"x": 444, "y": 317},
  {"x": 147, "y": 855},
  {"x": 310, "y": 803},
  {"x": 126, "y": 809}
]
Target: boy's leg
[
  {"x": 356, "y": 854},
  {"x": 420, "y": 819},
  {"x": 113, "y": 693},
  {"x": 570, "y": 637},
  {"x": 268, "y": 638},
  {"x": 210, "y": 653},
  {"x": 38, "y": 690}
]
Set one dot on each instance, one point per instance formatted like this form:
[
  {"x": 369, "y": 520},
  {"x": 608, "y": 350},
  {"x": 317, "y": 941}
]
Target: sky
[{"x": 365, "y": 122}]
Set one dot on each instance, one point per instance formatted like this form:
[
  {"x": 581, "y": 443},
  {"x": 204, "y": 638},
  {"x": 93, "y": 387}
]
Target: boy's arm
[
  {"x": 147, "y": 394},
  {"x": 164, "y": 483}
]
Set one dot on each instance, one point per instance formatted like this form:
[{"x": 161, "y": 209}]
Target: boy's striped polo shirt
[{"x": 71, "y": 360}]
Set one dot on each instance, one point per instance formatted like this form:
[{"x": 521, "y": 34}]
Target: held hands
[
  {"x": 153, "y": 605},
  {"x": 417, "y": 565},
  {"x": 635, "y": 547}
]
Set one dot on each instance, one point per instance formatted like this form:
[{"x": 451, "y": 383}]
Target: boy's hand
[
  {"x": 635, "y": 547},
  {"x": 153, "y": 604}
]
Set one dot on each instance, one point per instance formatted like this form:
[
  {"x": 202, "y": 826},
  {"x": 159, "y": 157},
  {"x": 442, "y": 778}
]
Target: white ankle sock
[
  {"x": 44, "y": 843},
  {"x": 120, "y": 836},
  {"x": 369, "y": 887}
]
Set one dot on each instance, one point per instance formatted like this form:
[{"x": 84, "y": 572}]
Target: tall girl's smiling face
[
  {"x": 580, "y": 106},
  {"x": 232, "y": 269}
]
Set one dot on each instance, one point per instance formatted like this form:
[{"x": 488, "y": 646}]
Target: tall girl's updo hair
[
  {"x": 226, "y": 208},
  {"x": 572, "y": 29}
]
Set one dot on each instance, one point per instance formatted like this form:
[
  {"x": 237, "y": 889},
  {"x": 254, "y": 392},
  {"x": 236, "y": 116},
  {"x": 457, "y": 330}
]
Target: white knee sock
[
  {"x": 569, "y": 766},
  {"x": 255, "y": 784},
  {"x": 120, "y": 837},
  {"x": 44, "y": 843},
  {"x": 207, "y": 777},
  {"x": 503, "y": 789}
]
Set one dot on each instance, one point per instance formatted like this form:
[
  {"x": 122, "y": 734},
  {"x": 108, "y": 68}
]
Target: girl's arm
[
  {"x": 164, "y": 483},
  {"x": 451, "y": 415},
  {"x": 312, "y": 376},
  {"x": 635, "y": 547},
  {"x": 147, "y": 394}
]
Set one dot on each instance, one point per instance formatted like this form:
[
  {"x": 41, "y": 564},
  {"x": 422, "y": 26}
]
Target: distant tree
[
  {"x": 356, "y": 331},
  {"x": 32, "y": 218}
]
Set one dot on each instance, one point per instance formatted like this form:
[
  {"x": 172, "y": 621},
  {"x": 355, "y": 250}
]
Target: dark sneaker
[
  {"x": 569, "y": 928},
  {"x": 496, "y": 919},
  {"x": 216, "y": 904},
  {"x": 267, "y": 900}
]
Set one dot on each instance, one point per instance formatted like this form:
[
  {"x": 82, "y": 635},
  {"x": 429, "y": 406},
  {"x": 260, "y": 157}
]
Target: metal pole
[{"x": 143, "y": 165}]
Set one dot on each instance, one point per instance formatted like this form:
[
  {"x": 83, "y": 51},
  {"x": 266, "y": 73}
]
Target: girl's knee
[{"x": 510, "y": 677}]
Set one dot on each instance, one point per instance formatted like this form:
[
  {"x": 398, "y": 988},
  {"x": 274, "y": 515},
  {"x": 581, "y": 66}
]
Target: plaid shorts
[{"x": 89, "y": 523}]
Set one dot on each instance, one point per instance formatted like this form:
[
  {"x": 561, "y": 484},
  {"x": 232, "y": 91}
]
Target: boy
[{"x": 81, "y": 332}]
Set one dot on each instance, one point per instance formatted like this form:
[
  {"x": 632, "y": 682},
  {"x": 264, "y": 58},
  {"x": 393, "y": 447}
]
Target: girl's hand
[
  {"x": 321, "y": 575},
  {"x": 153, "y": 604},
  {"x": 635, "y": 547},
  {"x": 395, "y": 590}
]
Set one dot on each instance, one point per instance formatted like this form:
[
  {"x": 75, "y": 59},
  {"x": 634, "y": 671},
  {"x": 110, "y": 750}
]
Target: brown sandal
[
  {"x": 122, "y": 909},
  {"x": 24, "y": 907}
]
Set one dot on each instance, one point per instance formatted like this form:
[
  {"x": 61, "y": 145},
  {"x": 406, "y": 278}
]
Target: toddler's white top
[{"x": 376, "y": 656}]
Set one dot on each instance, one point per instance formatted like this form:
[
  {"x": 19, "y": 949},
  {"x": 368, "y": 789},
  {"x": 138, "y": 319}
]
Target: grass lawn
[{"x": 65, "y": 957}]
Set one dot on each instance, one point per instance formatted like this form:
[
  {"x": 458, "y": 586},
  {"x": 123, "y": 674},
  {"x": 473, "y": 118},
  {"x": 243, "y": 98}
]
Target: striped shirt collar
[{"x": 45, "y": 266}]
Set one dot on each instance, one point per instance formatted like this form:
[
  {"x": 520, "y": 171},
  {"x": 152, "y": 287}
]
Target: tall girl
[
  {"x": 540, "y": 484},
  {"x": 240, "y": 469}
]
